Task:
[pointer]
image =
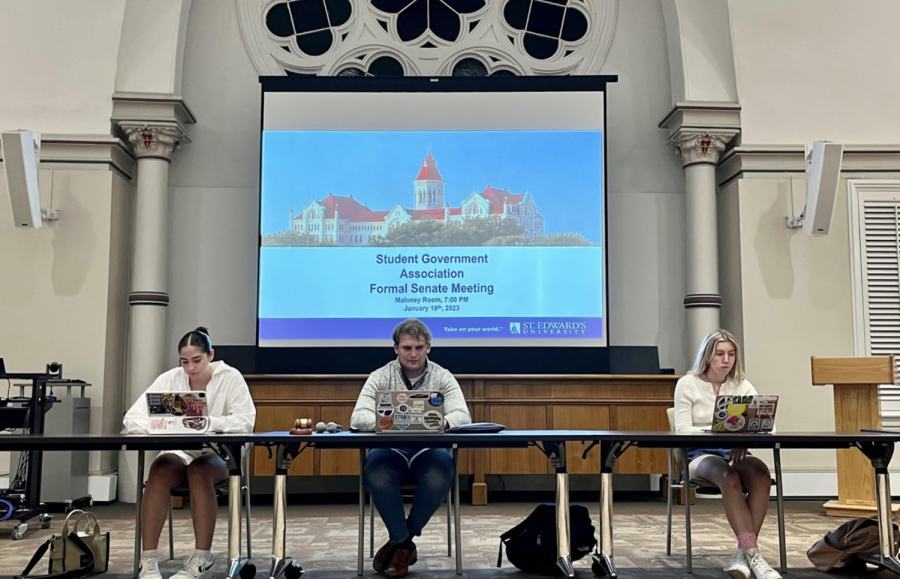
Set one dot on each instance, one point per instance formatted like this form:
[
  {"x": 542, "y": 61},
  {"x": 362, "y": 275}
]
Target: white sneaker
[
  {"x": 761, "y": 569},
  {"x": 149, "y": 568},
  {"x": 195, "y": 567},
  {"x": 738, "y": 568}
]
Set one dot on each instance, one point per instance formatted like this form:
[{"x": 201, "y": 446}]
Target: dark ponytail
[{"x": 198, "y": 338}]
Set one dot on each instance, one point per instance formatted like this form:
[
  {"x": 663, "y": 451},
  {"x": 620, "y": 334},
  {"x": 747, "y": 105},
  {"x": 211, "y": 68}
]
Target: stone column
[
  {"x": 154, "y": 144},
  {"x": 700, "y": 152}
]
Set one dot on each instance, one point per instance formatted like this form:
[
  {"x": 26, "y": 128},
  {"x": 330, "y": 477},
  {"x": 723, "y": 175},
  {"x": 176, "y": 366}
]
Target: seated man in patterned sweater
[{"x": 431, "y": 469}]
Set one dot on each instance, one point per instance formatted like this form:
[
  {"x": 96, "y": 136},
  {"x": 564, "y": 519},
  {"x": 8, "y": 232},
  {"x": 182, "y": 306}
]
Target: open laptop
[
  {"x": 409, "y": 411},
  {"x": 754, "y": 413},
  {"x": 177, "y": 412}
]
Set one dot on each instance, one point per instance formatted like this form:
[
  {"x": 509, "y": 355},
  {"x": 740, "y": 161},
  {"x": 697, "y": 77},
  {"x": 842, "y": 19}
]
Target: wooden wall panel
[
  {"x": 533, "y": 402},
  {"x": 641, "y": 460},
  {"x": 333, "y": 462},
  {"x": 518, "y": 460},
  {"x": 275, "y": 418},
  {"x": 580, "y": 418}
]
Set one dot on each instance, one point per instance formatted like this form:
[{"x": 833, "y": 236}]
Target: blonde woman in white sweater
[{"x": 717, "y": 370}]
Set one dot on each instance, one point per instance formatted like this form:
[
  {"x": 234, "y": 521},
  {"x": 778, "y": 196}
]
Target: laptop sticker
[
  {"x": 735, "y": 423},
  {"x": 433, "y": 420},
  {"x": 402, "y": 397},
  {"x": 436, "y": 399},
  {"x": 195, "y": 423},
  {"x": 385, "y": 408},
  {"x": 401, "y": 420},
  {"x": 187, "y": 404},
  {"x": 386, "y": 422}
]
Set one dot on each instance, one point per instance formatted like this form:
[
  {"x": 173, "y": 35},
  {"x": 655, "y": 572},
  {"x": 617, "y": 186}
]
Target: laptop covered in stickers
[
  {"x": 753, "y": 413},
  {"x": 177, "y": 412},
  {"x": 409, "y": 411}
]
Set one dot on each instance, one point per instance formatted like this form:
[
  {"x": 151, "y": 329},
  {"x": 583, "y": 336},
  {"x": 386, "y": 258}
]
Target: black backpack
[{"x": 531, "y": 545}]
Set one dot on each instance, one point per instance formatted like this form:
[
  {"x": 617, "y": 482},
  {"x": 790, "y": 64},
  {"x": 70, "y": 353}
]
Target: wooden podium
[{"x": 856, "y": 406}]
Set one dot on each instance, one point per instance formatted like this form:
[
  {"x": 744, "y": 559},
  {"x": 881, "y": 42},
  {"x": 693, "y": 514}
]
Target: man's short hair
[{"x": 412, "y": 327}]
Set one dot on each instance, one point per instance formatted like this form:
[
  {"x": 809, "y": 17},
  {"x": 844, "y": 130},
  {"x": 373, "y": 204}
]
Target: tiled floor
[{"x": 323, "y": 538}]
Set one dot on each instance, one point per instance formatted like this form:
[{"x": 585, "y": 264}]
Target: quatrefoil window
[
  {"x": 310, "y": 22},
  {"x": 546, "y": 24},
  {"x": 442, "y": 17},
  {"x": 474, "y": 67},
  {"x": 381, "y": 66}
]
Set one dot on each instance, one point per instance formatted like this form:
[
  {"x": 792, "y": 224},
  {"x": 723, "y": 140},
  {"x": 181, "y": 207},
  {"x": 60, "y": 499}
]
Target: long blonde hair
[{"x": 708, "y": 349}]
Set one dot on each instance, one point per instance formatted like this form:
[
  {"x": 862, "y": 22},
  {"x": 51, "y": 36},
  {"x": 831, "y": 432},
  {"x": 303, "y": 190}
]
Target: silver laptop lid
[{"x": 409, "y": 411}]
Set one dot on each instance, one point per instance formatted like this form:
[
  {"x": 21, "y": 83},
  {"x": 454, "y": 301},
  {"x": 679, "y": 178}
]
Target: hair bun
[{"x": 202, "y": 330}]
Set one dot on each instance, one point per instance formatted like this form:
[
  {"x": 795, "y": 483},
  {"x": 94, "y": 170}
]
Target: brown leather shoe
[
  {"x": 403, "y": 559},
  {"x": 384, "y": 556}
]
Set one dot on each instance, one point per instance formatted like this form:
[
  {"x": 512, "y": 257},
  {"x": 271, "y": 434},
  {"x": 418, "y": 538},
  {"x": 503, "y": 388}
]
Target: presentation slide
[{"x": 490, "y": 237}]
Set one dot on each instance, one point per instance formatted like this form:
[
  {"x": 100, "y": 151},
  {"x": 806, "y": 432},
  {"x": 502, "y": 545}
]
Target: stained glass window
[
  {"x": 442, "y": 17},
  {"x": 546, "y": 24},
  {"x": 311, "y": 22}
]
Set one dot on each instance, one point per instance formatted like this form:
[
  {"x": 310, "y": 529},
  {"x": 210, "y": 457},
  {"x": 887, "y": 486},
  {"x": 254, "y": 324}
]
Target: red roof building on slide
[{"x": 345, "y": 221}]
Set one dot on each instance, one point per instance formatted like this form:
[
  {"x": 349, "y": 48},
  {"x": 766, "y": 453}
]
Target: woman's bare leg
[
  {"x": 756, "y": 478},
  {"x": 717, "y": 471},
  {"x": 203, "y": 474},
  {"x": 167, "y": 472}
]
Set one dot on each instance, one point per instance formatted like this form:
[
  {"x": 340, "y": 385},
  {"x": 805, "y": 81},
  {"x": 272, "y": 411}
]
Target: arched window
[
  {"x": 474, "y": 209},
  {"x": 388, "y": 38}
]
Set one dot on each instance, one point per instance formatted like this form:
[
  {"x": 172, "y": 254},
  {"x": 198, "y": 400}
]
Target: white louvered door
[{"x": 875, "y": 238}]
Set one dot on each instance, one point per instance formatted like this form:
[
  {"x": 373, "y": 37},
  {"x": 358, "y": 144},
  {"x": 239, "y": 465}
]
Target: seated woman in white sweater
[
  {"x": 717, "y": 370},
  {"x": 231, "y": 409}
]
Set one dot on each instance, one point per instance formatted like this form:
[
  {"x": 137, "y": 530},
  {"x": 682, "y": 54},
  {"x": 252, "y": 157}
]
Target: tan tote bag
[{"x": 74, "y": 553}]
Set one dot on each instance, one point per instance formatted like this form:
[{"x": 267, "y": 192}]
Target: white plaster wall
[
  {"x": 730, "y": 272},
  {"x": 55, "y": 289},
  {"x": 673, "y": 45},
  {"x": 214, "y": 203},
  {"x": 111, "y": 402},
  {"x": 645, "y": 190},
  {"x": 700, "y": 51},
  {"x": 152, "y": 48},
  {"x": 817, "y": 69},
  {"x": 58, "y": 64},
  {"x": 796, "y": 304}
]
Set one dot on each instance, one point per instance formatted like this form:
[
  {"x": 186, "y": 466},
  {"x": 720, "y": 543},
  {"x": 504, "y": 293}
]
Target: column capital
[
  {"x": 155, "y": 140},
  {"x": 701, "y": 147}
]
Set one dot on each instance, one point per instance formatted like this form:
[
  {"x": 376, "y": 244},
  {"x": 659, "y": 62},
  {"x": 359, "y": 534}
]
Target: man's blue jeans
[{"x": 431, "y": 472}]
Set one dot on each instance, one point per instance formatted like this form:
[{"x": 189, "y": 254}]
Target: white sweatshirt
[
  {"x": 695, "y": 399},
  {"x": 231, "y": 409}
]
